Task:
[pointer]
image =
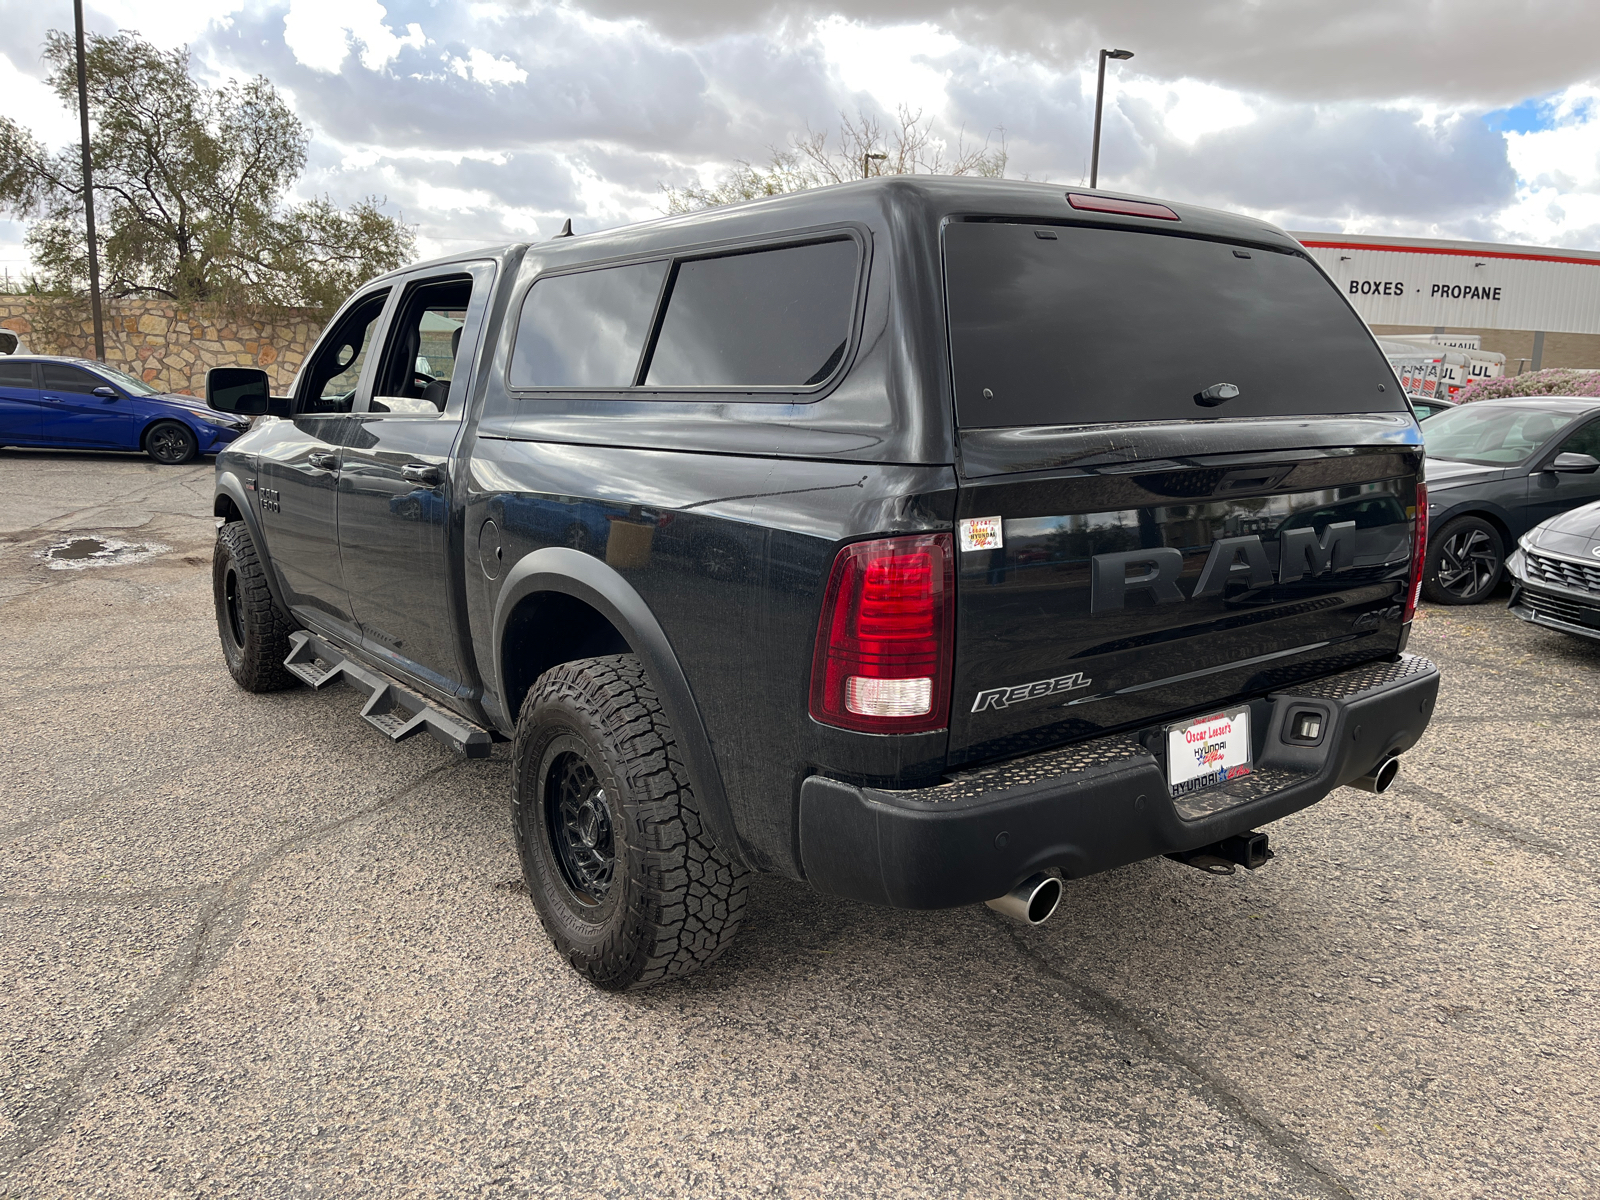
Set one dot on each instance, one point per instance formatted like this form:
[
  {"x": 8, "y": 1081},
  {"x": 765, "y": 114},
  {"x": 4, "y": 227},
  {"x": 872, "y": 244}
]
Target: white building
[{"x": 1539, "y": 307}]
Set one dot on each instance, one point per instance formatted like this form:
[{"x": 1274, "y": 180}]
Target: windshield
[
  {"x": 125, "y": 381},
  {"x": 1492, "y": 437}
]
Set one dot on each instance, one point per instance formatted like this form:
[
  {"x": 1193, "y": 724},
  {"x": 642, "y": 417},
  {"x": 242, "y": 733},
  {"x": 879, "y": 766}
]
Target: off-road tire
[
  {"x": 253, "y": 630},
  {"x": 1466, "y": 561},
  {"x": 170, "y": 443},
  {"x": 674, "y": 901}
]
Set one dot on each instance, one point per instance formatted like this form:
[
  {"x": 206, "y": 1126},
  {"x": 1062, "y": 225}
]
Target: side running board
[{"x": 395, "y": 711}]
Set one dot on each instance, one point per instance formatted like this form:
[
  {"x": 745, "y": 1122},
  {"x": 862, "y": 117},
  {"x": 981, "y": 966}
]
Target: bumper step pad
[{"x": 393, "y": 710}]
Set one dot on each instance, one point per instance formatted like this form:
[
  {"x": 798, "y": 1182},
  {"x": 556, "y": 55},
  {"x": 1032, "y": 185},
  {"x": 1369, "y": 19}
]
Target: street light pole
[
  {"x": 88, "y": 189},
  {"x": 1099, "y": 100}
]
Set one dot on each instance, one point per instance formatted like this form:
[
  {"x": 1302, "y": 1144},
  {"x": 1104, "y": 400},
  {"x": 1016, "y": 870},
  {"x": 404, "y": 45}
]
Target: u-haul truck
[{"x": 1441, "y": 365}]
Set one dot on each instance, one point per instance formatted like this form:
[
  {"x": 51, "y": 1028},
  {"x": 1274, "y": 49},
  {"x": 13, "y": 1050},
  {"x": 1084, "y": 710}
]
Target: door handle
[
  {"x": 421, "y": 473},
  {"x": 324, "y": 462}
]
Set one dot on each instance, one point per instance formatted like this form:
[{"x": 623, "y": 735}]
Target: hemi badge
[{"x": 980, "y": 533}]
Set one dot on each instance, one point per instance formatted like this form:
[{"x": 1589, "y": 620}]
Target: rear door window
[
  {"x": 766, "y": 318},
  {"x": 419, "y": 362},
  {"x": 16, "y": 375},
  {"x": 1074, "y": 325},
  {"x": 586, "y": 330}
]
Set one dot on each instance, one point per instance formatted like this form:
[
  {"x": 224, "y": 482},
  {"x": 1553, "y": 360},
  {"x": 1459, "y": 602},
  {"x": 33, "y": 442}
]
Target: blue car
[{"x": 82, "y": 405}]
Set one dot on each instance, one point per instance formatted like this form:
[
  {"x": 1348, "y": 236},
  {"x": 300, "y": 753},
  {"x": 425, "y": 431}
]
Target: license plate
[{"x": 1210, "y": 751}]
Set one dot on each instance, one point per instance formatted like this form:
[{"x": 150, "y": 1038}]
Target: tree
[
  {"x": 912, "y": 145},
  {"x": 190, "y": 185}
]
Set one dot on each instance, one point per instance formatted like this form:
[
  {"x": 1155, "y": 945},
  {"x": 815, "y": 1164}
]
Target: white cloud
[
  {"x": 1558, "y": 171},
  {"x": 321, "y": 33},
  {"x": 1188, "y": 108},
  {"x": 890, "y": 64},
  {"x": 29, "y": 102},
  {"x": 482, "y": 67},
  {"x": 167, "y": 25}
]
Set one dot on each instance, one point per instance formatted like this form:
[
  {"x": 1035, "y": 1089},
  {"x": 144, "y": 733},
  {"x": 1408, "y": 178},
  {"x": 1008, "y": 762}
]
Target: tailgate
[{"x": 1124, "y": 593}]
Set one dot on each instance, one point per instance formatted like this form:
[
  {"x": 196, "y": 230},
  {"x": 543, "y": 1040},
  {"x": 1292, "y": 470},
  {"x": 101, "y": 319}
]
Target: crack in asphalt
[
  {"x": 1221, "y": 1091},
  {"x": 1426, "y": 796},
  {"x": 129, "y": 499},
  {"x": 213, "y": 932}
]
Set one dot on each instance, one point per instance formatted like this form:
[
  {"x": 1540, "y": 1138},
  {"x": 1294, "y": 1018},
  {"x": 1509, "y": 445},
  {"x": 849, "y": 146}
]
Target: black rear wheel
[
  {"x": 171, "y": 443},
  {"x": 627, "y": 882},
  {"x": 1465, "y": 561}
]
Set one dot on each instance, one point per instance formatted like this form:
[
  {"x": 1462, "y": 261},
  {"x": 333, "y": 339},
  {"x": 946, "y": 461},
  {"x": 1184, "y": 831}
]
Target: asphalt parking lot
[{"x": 251, "y": 948}]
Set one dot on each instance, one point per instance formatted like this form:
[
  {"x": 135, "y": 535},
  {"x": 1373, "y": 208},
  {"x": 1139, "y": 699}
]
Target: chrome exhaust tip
[
  {"x": 1380, "y": 777},
  {"x": 1033, "y": 901}
]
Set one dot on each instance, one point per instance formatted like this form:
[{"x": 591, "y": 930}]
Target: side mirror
[
  {"x": 242, "y": 391},
  {"x": 1574, "y": 464},
  {"x": 106, "y": 392}
]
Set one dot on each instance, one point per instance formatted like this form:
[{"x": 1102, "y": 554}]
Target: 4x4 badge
[{"x": 1007, "y": 696}]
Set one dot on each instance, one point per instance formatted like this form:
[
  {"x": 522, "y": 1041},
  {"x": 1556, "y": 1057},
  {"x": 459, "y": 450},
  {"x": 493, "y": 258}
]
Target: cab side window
[
  {"x": 419, "y": 362},
  {"x": 1584, "y": 441},
  {"x": 329, "y": 383},
  {"x": 765, "y": 318}
]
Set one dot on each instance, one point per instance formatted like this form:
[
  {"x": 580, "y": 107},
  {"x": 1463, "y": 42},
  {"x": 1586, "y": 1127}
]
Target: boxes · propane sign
[{"x": 1414, "y": 281}]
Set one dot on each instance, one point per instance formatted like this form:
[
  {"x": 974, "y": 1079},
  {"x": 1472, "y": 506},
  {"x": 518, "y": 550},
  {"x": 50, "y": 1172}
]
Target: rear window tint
[
  {"x": 16, "y": 375},
  {"x": 1073, "y": 325},
  {"x": 769, "y": 318},
  {"x": 586, "y": 330}
]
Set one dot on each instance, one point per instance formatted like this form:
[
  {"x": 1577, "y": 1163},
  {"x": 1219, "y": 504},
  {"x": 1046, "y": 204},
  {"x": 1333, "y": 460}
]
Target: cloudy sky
[{"x": 494, "y": 120}]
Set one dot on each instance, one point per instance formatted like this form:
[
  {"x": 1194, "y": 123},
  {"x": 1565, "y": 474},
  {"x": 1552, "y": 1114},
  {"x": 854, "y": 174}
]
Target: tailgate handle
[{"x": 1252, "y": 479}]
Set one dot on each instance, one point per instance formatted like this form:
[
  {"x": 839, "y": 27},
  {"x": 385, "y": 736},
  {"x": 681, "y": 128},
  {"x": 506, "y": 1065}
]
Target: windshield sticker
[{"x": 981, "y": 533}]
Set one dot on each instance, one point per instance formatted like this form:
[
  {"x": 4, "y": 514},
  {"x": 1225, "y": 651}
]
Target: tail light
[
  {"x": 1419, "y": 552},
  {"x": 882, "y": 662}
]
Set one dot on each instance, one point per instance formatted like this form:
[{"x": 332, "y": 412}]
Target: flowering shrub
[{"x": 1533, "y": 383}]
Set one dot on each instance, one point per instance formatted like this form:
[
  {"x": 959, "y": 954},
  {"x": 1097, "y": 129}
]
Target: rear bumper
[{"x": 1099, "y": 804}]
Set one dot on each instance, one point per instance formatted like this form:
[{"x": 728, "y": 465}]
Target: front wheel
[
  {"x": 254, "y": 632},
  {"x": 1464, "y": 564},
  {"x": 170, "y": 443},
  {"x": 627, "y": 882}
]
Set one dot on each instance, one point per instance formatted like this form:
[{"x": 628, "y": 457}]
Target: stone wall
[{"x": 168, "y": 347}]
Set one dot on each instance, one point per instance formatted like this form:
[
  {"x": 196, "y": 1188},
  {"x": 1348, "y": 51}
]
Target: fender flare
[
  {"x": 584, "y": 577},
  {"x": 228, "y": 484}
]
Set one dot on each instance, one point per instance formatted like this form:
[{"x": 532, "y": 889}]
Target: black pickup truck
[{"x": 928, "y": 540}]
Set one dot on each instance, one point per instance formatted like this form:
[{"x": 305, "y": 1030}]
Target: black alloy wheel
[
  {"x": 578, "y": 821},
  {"x": 233, "y": 619},
  {"x": 626, "y": 880},
  {"x": 1465, "y": 561},
  {"x": 170, "y": 443}
]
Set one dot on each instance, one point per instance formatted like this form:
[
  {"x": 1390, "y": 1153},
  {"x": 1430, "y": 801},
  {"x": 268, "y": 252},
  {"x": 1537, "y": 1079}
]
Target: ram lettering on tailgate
[{"x": 1300, "y": 552}]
